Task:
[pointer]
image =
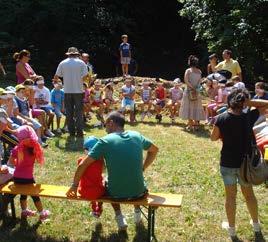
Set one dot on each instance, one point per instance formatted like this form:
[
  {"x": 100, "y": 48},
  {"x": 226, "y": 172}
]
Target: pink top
[
  {"x": 20, "y": 77},
  {"x": 86, "y": 96},
  {"x": 23, "y": 169}
]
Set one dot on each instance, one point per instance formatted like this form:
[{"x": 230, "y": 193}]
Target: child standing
[
  {"x": 91, "y": 183},
  {"x": 125, "y": 54},
  {"x": 23, "y": 157},
  {"x": 57, "y": 102}
]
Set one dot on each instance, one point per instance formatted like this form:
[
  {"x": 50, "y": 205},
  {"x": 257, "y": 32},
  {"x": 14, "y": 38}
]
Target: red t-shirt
[
  {"x": 160, "y": 93},
  {"x": 91, "y": 183}
]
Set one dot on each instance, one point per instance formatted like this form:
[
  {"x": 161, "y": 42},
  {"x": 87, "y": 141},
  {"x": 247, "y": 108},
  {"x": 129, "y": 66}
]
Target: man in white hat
[{"x": 74, "y": 73}]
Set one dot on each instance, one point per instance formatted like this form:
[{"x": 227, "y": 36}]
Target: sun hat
[
  {"x": 2, "y": 91},
  {"x": 19, "y": 87},
  {"x": 97, "y": 82},
  {"x": 72, "y": 51},
  {"x": 10, "y": 90},
  {"x": 90, "y": 142},
  {"x": 25, "y": 132},
  {"x": 177, "y": 81}
]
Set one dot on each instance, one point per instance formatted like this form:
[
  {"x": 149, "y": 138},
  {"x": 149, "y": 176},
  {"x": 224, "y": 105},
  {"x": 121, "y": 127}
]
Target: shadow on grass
[
  {"x": 72, "y": 143},
  {"x": 96, "y": 236},
  {"x": 19, "y": 230}
]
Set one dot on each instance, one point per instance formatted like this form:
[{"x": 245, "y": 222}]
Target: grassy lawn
[{"x": 187, "y": 163}]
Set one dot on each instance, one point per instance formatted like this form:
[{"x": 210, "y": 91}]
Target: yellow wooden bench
[{"x": 151, "y": 202}]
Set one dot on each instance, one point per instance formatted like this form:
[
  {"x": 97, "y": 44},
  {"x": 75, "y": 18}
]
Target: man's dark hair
[
  {"x": 117, "y": 118},
  {"x": 237, "y": 98},
  {"x": 229, "y": 52}
]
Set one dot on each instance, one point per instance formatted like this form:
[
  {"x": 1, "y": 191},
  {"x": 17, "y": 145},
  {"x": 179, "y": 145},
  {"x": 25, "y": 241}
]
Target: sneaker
[
  {"x": 43, "y": 217},
  {"x": 121, "y": 222},
  {"x": 49, "y": 133},
  {"x": 259, "y": 237},
  {"x": 44, "y": 145},
  {"x": 158, "y": 117},
  {"x": 27, "y": 213},
  {"x": 97, "y": 213},
  {"x": 143, "y": 116},
  {"x": 58, "y": 131},
  {"x": 149, "y": 114},
  {"x": 235, "y": 239},
  {"x": 65, "y": 129},
  {"x": 137, "y": 216}
]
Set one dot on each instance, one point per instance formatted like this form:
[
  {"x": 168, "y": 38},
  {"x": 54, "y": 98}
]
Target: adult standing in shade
[
  {"x": 74, "y": 72},
  {"x": 23, "y": 69},
  {"x": 229, "y": 64}
]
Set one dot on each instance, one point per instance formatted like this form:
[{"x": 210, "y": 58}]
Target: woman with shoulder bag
[
  {"x": 231, "y": 129},
  {"x": 191, "y": 106}
]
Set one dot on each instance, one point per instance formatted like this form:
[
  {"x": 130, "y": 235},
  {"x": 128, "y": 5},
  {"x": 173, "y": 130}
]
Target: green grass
[{"x": 187, "y": 163}]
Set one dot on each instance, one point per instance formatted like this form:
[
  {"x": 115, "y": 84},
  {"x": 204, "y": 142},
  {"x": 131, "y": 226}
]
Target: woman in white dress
[{"x": 191, "y": 105}]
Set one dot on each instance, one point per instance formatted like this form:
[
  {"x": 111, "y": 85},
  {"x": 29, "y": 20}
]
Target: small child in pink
[{"x": 23, "y": 157}]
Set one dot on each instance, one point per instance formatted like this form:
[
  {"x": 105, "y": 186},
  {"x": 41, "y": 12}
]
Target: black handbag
[{"x": 254, "y": 169}]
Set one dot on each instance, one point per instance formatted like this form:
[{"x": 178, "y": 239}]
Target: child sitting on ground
[
  {"x": 23, "y": 157},
  {"x": 57, "y": 102},
  {"x": 91, "y": 183},
  {"x": 176, "y": 93},
  {"x": 146, "y": 98}
]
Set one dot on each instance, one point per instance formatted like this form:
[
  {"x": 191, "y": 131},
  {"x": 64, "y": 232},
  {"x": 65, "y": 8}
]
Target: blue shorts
[
  {"x": 58, "y": 112},
  {"x": 231, "y": 176},
  {"x": 47, "y": 109},
  {"x": 126, "y": 102},
  {"x": 161, "y": 103}
]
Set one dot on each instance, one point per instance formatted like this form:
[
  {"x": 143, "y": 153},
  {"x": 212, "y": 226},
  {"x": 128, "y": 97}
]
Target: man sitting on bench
[{"x": 123, "y": 154}]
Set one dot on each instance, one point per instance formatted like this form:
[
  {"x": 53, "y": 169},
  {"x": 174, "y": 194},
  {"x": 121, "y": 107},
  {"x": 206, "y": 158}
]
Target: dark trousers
[{"x": 74, "y": 112}]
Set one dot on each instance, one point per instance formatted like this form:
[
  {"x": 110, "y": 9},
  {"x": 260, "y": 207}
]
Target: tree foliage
[
  {"x": 239, "y": 25},
  {"x": 161, "y": 39}
]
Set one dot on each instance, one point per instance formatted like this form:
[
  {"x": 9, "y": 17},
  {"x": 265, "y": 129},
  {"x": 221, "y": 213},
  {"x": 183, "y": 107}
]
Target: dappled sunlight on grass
[{"x": 187, "y": 163}]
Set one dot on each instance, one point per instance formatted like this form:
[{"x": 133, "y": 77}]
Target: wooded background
[{"x": 162, "y": 33}]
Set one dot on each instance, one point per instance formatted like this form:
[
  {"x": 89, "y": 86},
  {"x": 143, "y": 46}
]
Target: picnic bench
[{"x": 151, "y": 202}]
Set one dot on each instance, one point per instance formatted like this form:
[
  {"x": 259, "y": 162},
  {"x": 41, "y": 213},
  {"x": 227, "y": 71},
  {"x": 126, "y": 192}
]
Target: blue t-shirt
[
  {"x": 57, "y": 97},
  {"x": 125, "y": 48},
  {"x": 264, "y": 97},
  {"x": 23, "y": 106}
]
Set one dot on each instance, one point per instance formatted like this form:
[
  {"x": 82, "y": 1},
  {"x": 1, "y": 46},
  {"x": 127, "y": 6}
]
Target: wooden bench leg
[{"x": 151, "y": 225}]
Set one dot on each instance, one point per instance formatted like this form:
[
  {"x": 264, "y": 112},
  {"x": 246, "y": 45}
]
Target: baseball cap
[
  {"x": 90, "y": 142},
  {"x": 18, "y": 87}
]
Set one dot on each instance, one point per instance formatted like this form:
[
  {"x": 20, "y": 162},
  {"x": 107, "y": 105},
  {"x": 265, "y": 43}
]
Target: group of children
[
  {"x": 217, "y": 92},
  {"x": 102, "y": 98}
]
